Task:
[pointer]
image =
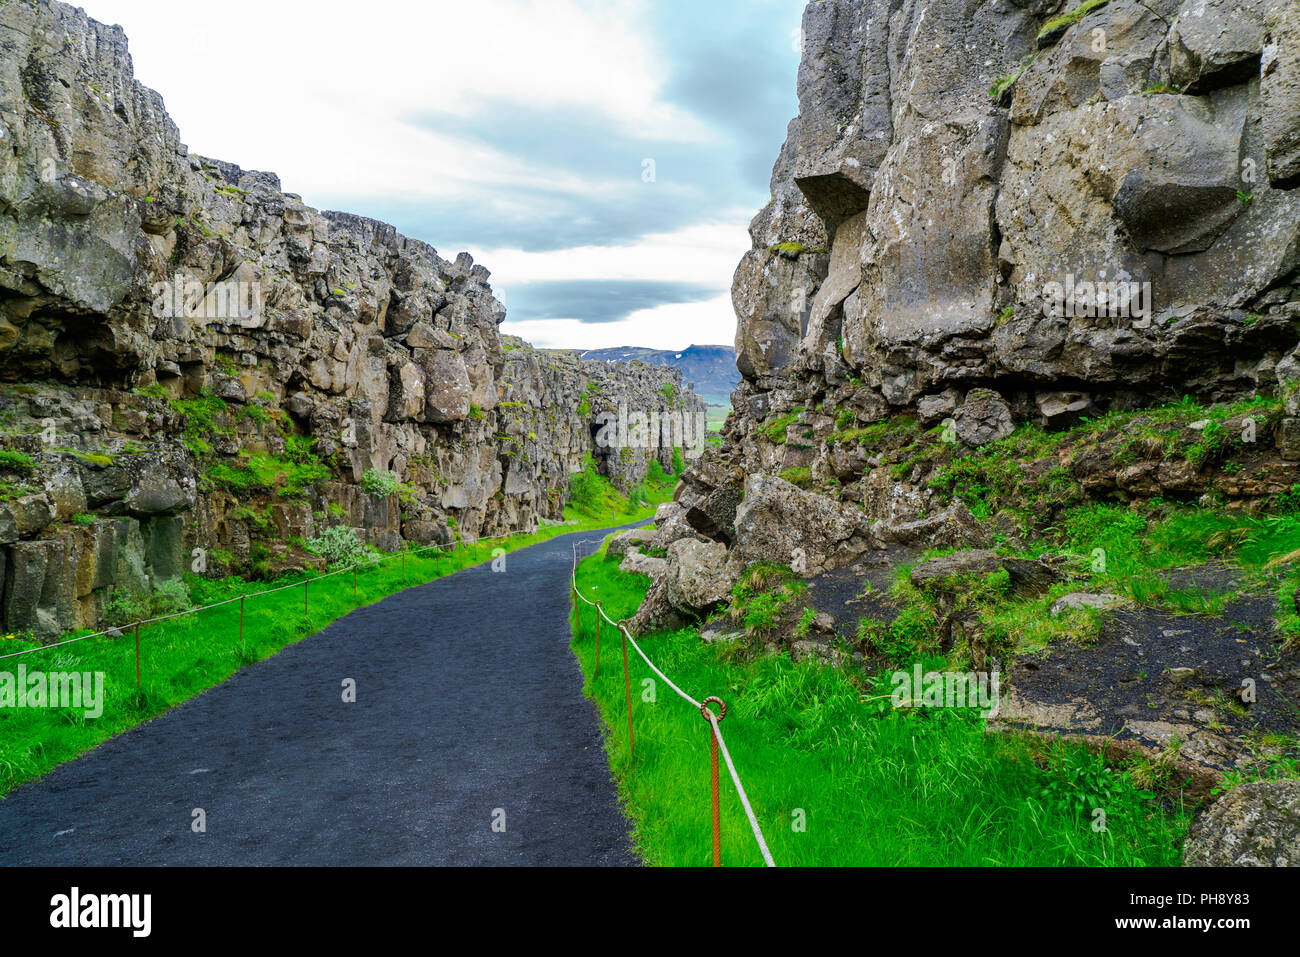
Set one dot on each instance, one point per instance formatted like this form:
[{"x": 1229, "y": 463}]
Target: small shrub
[
  {"x": 11, "y": 461},
  {"x": 169, "y": 597},
  {"x": 385, "y": 484},
  {"x": 340, "y": 547},
  {"x": 1077, "y": 782}
]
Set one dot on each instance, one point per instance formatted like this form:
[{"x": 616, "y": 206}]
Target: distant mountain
[{"x": 711, "y": 368}]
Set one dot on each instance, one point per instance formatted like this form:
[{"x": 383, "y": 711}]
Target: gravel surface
[{"x": 469, "y": 704}]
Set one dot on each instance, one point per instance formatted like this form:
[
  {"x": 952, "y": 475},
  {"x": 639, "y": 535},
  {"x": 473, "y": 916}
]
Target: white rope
[
  {"x": 717, "y": 732},
  {"x": 740, "y": 790},
  {"x": 70, "y": 641},
  {"x": 685, "y": 697}
]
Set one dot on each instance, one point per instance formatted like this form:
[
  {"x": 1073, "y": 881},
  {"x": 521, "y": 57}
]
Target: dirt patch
[{"x": 1157, "y": 678}]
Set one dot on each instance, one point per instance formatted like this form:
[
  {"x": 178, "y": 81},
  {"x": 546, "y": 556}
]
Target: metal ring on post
[{"x": 704, "y": 709}]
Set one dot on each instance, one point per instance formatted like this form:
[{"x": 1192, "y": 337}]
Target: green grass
[
  {"x": 1074, "y": 16},
  {"x": 775, "y": 430},
  {"x": 1005, "y": 82},
  {"x": 186, "y": 656},
  {"x": 875, "y": 786},
  {"x": 12, "y": 461}
]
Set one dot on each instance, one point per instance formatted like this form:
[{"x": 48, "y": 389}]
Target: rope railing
[
  {"x": 118, "y": 632},
  {"x": 716, "y": 741}
]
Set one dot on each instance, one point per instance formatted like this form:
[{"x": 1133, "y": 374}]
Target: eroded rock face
[
  {"x": 168, "y": 322},
  {"x": 1253, "y": 825},
  {"x": 1279, "y": 89},
  {"x": 1123, "y": 151},
  {"x": 698, "y": 579},
  {"x": 982, "y": 224}
]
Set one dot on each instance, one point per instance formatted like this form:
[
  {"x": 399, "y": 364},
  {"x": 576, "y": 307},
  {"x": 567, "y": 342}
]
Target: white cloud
[
  {"x": 325, "y": 96},
  {"x": 703, "y": 253},
  {"x": 676, "y": 326}
]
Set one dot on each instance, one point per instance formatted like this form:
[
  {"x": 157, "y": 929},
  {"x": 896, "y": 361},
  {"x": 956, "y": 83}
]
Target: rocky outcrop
[
  {"x": 1253, "y": 825},
  {"x": 200, "y": 371},
  {"x": 1012, "y": 213},
  {"x": 1124, "y": 150}
]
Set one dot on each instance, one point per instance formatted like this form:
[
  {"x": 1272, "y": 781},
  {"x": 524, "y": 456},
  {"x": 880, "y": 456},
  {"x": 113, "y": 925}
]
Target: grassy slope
[
  {"x": 186, "y": 656},
  {"x": 876, "y": 786}
]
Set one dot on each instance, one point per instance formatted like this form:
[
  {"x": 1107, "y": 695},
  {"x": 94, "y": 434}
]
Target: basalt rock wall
[
  {"x": 192, "y": 358},
  {"x": 998, "y": 213}
]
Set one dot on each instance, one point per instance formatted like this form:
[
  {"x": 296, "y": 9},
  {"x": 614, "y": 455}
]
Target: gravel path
[{"x": 469, "y": 704}]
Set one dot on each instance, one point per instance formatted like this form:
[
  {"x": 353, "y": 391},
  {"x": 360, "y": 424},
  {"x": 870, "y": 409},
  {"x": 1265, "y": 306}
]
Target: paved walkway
[{"x": 469, "y": 703}]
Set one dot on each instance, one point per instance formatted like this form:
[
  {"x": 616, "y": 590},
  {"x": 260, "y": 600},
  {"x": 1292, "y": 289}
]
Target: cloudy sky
[{"x": 601, "y": 157}]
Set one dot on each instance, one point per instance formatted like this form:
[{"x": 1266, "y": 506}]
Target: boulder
[
  {"x": 671, "y": 524},
  {"x": 976, "y": 562},
  {"x": 155, "y": 494},
  {"x": 447, "y": 386},
  {"x": 1253, "y": 825},
  {"x": 1026, "y": 576},
  {"x": 952, "y": 526},
  {"x": 697, "y": 576},
  {"x": 620, "y": 545},
  {"x": 1059, "y": 410},
  {"x": 983, "y": 418},
  {"x": 932, "y": 409},
  {"x": 711, "y": 493},
  {"x": 635, "y": 563},
  {"x": 1215, "y": 43},
  {"x": 28, "y": 514},
  {"x": 779, "y": 522}
]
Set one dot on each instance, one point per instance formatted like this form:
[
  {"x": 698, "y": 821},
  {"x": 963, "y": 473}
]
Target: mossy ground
[{"x": 836, "y": 775}]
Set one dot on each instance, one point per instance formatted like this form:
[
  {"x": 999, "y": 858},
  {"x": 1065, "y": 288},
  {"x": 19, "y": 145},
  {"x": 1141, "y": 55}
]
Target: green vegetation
[
  {"x": 11, "y": 461},
  {"x": 187, "y": 655},
  {"x": 591, "y": 495},
  {"x": 168, "y": 597},
  {"x": 288, "y": 476},
  {"x": 799, "y": 476},
  {"x": 1005, "y": 82},
  {"x": 793, "y": 250},
  {"x": 824, "y": 746},
  {"x": 761, "y": 594},
  {"x": 776, "y": 428},
  {"x": 340, "y": 547},
  {"x": 1072, "y": 17},
  {"x": 384, "y": 484}
]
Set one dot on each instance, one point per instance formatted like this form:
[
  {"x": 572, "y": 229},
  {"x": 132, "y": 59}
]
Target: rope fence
[
  {"x": 716, "y": 742},
  {"x": 118, "y": 632}
]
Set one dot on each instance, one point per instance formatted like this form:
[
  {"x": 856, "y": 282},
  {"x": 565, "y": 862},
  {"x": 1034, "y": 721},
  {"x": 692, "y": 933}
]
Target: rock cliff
[
  {"x": 1008, "y": 212},
  {"x": 191, "y": 358}
]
